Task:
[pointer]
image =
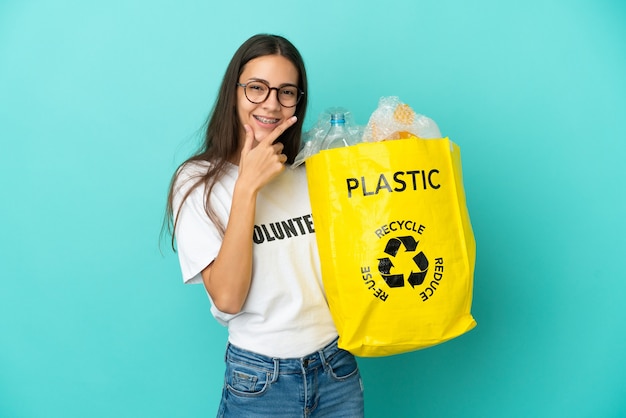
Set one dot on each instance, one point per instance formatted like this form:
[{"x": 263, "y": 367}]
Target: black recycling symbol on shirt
[{"x": 385, "y": 265}]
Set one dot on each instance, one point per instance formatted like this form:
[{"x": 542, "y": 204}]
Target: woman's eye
[{"x": 257, "y": 87}]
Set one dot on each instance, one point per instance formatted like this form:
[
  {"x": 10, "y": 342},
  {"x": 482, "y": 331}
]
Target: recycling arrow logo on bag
[{"x": 389, "y": 272}]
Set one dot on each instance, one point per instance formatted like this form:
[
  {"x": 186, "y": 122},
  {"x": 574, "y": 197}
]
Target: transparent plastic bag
[
  {"x": 395, "y": 120},
  {"x": 392, "y": 119}
]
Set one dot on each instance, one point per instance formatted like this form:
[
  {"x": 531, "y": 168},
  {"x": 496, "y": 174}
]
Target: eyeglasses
[{"x": 258, "y": 91}]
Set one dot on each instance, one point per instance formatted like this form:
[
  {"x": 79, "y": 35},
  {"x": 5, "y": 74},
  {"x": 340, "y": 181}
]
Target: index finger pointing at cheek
[{"x": 280, "y": 129}]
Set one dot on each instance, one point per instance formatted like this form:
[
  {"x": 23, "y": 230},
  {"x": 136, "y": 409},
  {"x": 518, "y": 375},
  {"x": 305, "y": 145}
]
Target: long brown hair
[{"x": 223, "y": 127}]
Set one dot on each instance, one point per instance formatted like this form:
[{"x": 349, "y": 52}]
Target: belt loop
[
  {"x": 332, "y": 347},
  {"x": 276, "y": 369},
  {"x": 323, "y": 358},
  {"x": 329, "y": 350}
]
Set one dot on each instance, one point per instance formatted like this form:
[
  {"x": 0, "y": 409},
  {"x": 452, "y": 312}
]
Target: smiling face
[{"x": 275, "y": 70}]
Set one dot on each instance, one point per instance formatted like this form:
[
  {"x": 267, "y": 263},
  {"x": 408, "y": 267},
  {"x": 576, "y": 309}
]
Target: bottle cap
[{"x": 337, "y": 118}]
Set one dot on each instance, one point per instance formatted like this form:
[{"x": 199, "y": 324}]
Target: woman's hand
[{"x": 259, "y": 163}]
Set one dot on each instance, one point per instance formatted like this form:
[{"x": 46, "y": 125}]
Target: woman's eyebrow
[
  {"x": 259, "y": 79},
  {"x": 269, "y": 84}
]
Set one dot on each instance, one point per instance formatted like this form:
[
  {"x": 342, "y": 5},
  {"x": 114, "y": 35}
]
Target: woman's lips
[{"x": 266, "y": 121}]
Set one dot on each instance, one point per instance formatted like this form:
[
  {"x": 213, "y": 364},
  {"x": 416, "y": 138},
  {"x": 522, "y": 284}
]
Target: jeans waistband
[{"x": 318, "y": 358}]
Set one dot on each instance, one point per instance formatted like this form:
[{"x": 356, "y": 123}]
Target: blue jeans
[{"x": 326, "y": 383}]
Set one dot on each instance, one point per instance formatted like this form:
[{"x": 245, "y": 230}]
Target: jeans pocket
[
  {"x": 342, "y": 365},
  {"x": 246, "y": 381}
]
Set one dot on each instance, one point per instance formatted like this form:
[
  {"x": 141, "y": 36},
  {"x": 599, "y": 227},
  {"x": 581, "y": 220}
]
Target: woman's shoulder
[
  {"x": 189, "y": 175},
  {"x": 194, "y": 173},
  {"x": 193, "y": 168}
]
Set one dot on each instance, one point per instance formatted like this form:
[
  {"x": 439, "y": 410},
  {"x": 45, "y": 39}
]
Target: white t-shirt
[{"x": 285, "y": 314}]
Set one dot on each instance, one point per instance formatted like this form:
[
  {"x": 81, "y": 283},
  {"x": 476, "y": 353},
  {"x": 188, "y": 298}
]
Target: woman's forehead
[{"x": 275, "y": 69}]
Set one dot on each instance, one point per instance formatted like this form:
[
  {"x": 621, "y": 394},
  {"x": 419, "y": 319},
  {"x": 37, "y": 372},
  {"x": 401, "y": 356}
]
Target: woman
[{"x": 242, "y": 225}]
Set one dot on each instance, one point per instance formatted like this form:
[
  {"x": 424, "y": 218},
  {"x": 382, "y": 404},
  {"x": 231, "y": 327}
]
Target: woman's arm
[{"x": 228, "y": 277}]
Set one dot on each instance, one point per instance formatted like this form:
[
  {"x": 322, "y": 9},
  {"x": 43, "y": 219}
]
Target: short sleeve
[{"x": 197, "y": 238}]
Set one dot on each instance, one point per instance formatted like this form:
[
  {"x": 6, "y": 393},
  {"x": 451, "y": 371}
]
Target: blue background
[{"x": 99, "y": 101}]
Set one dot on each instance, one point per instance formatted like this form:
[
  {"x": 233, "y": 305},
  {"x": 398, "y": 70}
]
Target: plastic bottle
[{"x": 338, "y": 135}]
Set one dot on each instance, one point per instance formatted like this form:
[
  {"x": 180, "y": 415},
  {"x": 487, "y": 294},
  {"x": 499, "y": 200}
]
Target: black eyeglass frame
[{"x": 269, "y": 91}]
